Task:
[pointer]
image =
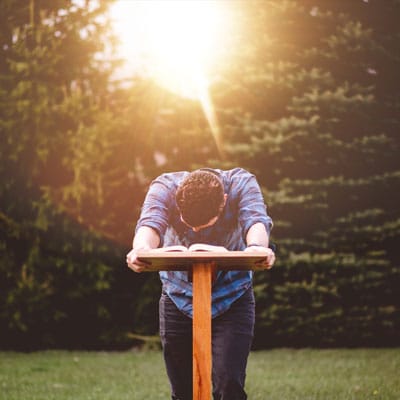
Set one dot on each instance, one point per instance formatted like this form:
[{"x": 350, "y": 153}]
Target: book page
[
  {"x": 193, "y": 247},
  {"x": 206, "y": 247},
  {"x": 177, "y": 247}
]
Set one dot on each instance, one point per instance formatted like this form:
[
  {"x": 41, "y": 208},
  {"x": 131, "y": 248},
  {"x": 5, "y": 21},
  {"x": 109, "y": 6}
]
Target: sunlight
[{"x": 177, "y": 43}]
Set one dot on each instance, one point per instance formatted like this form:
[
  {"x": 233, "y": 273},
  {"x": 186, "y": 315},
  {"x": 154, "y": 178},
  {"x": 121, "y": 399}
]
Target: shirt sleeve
[
  {"x": 158, "y": 204},
  {"x": 251, "y": 206}
]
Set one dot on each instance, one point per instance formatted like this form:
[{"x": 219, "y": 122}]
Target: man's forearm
[
  {"x": 257, "y": 234},
  {"x": 146, "y": 238}
]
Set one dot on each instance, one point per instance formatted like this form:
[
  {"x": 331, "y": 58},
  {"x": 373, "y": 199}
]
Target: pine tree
[
  {"x": 55, "y": 129},
  {"x": 309, "y": 103},
  {"x": 315, "y": 100}
]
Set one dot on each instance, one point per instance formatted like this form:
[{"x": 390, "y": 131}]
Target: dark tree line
[{"x": 310, "y": 105}]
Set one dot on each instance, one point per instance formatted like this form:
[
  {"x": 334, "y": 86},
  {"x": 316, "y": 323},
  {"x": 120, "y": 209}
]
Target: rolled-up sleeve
[
  {"x": 251, "y": 205},
  {"x": 157, "y": 206}
]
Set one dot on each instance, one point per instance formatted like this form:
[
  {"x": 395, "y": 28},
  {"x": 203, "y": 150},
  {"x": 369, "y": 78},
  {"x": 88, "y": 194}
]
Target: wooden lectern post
[
  {"x": 202, "y": 265},
  {"x": 202, "y": 275}
]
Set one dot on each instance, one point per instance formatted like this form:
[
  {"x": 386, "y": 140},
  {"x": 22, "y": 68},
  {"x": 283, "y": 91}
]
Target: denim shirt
[{"x": 244, "y": 207}]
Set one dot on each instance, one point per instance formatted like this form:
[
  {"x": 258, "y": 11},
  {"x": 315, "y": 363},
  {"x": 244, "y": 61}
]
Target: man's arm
[
  {"x": 153, "y": 220},
  {"x": 251, "y": 206},
  {"x": 257, "y": 234},
  {"x": 146, "y": 238},
  {"x": 257, "y": 240}
]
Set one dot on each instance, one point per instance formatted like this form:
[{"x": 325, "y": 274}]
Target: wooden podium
[{"x": 202, "y": 264}]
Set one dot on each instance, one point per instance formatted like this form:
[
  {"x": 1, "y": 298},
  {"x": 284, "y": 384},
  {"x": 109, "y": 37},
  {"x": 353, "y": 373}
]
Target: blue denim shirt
[{"x": 244, "y": 207}]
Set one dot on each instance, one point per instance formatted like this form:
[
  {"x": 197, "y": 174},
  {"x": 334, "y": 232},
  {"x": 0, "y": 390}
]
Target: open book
[{"x": 193, "y": 247}]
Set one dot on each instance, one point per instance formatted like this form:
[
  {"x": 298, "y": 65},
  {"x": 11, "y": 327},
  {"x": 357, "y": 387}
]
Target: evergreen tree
[
  {"x": 310, "y": 105},
  {"x": 316, "y": 121},
  {"x": 58, "y": 134}
]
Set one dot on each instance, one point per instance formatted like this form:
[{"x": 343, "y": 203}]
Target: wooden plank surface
[
  {"x": 202, "y": 355},
  {"x": 183, "y": 260}
]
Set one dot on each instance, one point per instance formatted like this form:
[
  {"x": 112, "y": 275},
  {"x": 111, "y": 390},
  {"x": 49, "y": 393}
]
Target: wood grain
[{"x": 202, "y": 356}]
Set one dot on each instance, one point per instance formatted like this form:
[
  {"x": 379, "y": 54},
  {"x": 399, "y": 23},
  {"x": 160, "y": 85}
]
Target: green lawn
[{"x": 272, "y": 375}]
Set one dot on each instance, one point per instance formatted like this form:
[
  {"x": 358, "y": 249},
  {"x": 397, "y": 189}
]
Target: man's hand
[
  {"x": 133, "y": 263},
  {"x": 145, "y": 239},
  {"x": 269, "y": 260}
]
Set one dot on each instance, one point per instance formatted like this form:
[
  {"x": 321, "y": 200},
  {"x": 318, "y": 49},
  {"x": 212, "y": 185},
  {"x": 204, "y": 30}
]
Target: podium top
[{"x": 185, "y": 260}]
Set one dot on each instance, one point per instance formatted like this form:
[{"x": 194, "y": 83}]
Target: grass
[
  {"x": 281, "y": 374},
  {"x": 324, "y": 375}
]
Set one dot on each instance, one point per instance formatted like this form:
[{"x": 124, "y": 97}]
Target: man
[{"x": 221, "y": 208}]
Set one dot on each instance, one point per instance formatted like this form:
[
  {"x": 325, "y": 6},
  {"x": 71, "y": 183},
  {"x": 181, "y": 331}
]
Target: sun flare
[{"x": 176, "y": 42}]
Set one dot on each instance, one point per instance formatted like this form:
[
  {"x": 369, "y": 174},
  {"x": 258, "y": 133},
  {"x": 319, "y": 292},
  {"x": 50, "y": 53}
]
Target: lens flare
[{"x": 177, "y": 43}]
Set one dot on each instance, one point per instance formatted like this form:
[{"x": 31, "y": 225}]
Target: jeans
[{"x": 232, "y": 335}]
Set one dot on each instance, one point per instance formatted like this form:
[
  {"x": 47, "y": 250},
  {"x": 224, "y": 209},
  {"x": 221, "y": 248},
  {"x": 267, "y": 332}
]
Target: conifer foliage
[
  {"x": 317, "y": 120},
  {"x": 55, "y": 141},
  {"x": 310, "y": 103}
]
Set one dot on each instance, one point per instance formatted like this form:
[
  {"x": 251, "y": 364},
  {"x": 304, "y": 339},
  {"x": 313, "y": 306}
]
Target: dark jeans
[{"x": 232, "y": 334}]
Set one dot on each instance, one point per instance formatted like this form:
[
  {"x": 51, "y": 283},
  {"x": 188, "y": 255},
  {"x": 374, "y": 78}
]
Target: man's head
[{"x": 200, "y": 199}]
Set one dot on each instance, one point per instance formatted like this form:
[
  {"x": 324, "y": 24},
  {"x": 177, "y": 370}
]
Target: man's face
[{"x": 211, "y": 222}]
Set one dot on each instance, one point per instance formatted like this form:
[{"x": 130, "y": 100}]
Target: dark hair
[{"x": 200, "y": 197}]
